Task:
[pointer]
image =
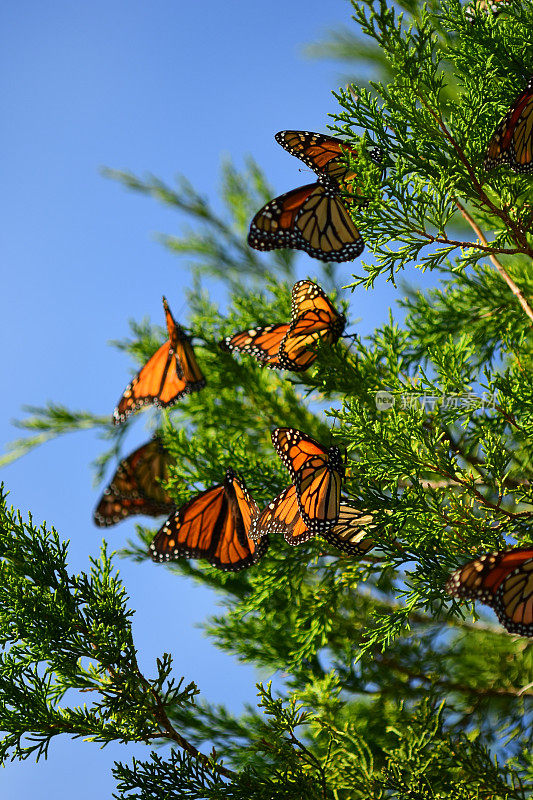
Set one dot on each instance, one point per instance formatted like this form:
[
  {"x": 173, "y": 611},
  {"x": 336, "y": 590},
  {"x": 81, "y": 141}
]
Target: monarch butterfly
[
  {"x": 503, "y": 580},
  {"x": 170, "y": 373},
  {"x": 325, "y": 155},
  {"x": 313, "y": 316},
  {"x": 215, "y": 526},
  {"x": 135, "y": 487},
  {"x": 512, "y": 142},
  {"x": 282, "y": 515},
  {"x": 317, "y": 474},
  {"x": 312, "y": 218}
]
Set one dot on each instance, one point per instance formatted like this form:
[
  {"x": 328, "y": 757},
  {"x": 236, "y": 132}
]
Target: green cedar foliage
[{"x": 391, "y": 689}]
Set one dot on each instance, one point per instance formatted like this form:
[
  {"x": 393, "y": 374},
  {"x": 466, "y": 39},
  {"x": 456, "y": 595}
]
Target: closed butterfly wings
[
  {"x": 136, "y": 487},
  {"x": 312, "y": 218},
  {"x": 350, "y": 532},
  {"x": 283, "y": 516},
  {"x": 512, "y": 142},
  {"x": 215, "y": 526},
  {"x": 317, "y": 474},
  {"x": 503, "y": 580},
  {"x": 170, "y": 373}
]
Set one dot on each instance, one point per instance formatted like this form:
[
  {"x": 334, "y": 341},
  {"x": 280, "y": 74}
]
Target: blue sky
[{"x": 165, "y": 87}]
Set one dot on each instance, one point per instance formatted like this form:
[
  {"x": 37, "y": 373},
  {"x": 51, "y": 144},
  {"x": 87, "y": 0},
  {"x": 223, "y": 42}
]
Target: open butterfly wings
[
  {"x": 136, "y": 487},
  {"x": 512, "y": 142},
  {"x": 170, "y": 373},
  {"x": 313, "y": 317},
  {"x": 503, "y": 580},
  {"x": 317, "y": 474},
  {"x": 283, "y": 516},
  {"x": 215, "y": 526},
  {"x": 313, "y": 218},
  {"x": 325, "y": 155}
]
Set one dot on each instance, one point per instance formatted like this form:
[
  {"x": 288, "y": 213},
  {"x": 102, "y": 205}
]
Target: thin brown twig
[
  {"x": 489, "y": 691},
  {"x": 162, "y": 719},
  {"x": 518, "y": 234},
  {"x": 479, "y": 463},
  {"x": 311, "y": 758},
  {"x": 511, "y": 419},
  {"x": 470, "y": 485},
  {"x": 500, "y": 268},
  {"x": 483, "y": 247}
]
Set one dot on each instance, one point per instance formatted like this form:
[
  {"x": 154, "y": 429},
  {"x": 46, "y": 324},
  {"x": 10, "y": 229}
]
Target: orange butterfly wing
[
  {"x": 135, "y": 487},
  {"x": 214, "y": 525},
  {"x": 512, "y": 142},
  {"x": 319, "y": 492},
  {"x": 283, "y": 516},
  {"x": 514, "y": 599},
  {"x": 170, "y": 373},
  {"x": 312, "y": 218},
  {"x": 317, "y": 475},
  {"x": 295, "y": 353},
  {"x": 261, "y": 343},
  {"x": 503, "y": 580},
  {"x": 309, "y": 296},
  {"x": 326, "y": 155},
  {"x": 313, "y": 317}
]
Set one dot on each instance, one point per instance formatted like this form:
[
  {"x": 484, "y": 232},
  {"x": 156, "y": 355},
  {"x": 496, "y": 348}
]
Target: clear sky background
[{"x": 165, "y": 87}]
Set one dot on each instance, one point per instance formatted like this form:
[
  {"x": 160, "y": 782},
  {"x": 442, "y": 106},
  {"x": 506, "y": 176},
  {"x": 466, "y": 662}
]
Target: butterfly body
[
  {"x": 170, "y": 374},
  {"x": 317, "y": 475},
  {"x": 214, "y": 525},
  {"x": 512, "y": 142},
  {"x": 136, "y": 487},
  {"x": 503, "y": 580}
]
